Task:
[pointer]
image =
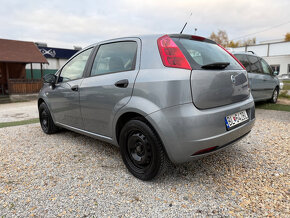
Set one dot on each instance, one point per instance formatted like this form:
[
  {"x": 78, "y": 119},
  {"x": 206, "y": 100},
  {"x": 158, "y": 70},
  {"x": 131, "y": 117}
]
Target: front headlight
[{"x": 281, "y": 85}]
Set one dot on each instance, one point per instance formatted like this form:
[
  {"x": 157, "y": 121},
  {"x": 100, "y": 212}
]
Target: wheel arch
[
  {"x": 40, "y": 100},
  {"x": 126, "y": 117},
  {"x": 278, "y": 88}
]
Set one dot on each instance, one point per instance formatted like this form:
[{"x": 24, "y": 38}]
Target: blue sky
[{"x": 67, "y": 23}]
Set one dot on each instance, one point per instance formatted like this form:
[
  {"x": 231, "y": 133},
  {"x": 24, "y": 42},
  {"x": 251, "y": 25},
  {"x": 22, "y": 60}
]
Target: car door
[
  {"x": 269, "y": 81},
  {"x": 257, "y": 78},
  {"x": 63, "y": 98},
  {"x": 109, "y": 85}
]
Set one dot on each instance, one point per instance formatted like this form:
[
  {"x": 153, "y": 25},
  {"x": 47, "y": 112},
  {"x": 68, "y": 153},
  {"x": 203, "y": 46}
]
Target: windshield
[{"x": 204, "y": 53}]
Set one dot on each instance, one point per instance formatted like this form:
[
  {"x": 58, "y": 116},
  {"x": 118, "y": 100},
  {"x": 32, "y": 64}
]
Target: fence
[{"x": 24, "y": 86}]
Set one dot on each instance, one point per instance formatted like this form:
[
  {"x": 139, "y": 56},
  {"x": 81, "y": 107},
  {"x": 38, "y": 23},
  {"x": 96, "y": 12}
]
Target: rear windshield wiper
[{"x": 216, "y": 65}]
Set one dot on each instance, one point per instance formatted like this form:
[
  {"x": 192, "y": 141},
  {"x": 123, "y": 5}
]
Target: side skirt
[{"x": 87, "y": 133}]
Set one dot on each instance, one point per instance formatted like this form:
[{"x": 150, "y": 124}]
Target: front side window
[
  {"x": 115, "y": 57},
  {"x": 75, "y": 68},
  {"x": 255, "y": 64},
  {"x": 266, "y": 67},
  {"x": 244, "y": 60}
]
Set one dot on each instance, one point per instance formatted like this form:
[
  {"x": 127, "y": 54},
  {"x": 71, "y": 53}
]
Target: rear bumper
[{"x": 185, "y": 130}]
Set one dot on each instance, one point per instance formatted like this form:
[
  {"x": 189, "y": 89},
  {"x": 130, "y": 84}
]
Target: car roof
[
  {"x": 245, "y": 53},
  {"x": 153, "y": 36}
]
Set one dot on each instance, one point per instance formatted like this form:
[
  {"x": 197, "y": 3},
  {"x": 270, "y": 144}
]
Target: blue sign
[{"x": 60, "y": 53}]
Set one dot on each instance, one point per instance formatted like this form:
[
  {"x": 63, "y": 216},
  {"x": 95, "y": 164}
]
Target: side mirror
[
  {"x": 50, "y": 79},
  {"x": 276, "y": 73}
]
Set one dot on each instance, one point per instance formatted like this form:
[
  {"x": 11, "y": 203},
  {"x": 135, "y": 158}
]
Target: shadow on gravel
[{"x": 213, "y": 167}]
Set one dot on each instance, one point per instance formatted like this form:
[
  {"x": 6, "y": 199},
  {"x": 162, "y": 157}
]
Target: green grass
[
  {"x": 283, "y": 94},
  {"x": 277, "y": 107},
  {"x": 286, "y": 86},
  {"x": 18, "y": 123}
]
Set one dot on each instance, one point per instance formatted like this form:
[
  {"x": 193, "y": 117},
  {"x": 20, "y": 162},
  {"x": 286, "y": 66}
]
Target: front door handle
[
  {"x": 75, "y": 88},
  {"x": 122, "y": 83}
]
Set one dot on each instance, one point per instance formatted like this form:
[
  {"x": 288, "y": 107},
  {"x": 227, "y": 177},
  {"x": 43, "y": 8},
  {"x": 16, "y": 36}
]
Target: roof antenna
[{"x": 185, "y": 24}]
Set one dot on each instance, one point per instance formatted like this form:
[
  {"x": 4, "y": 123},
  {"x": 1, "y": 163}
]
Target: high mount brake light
[
  {"x": 170, "y": 54},
  {"x": 232, "y": 56},
  {"x": 198, "y": 38}
]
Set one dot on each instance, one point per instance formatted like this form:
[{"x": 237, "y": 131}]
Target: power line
[{"x": 261, "y": 31}]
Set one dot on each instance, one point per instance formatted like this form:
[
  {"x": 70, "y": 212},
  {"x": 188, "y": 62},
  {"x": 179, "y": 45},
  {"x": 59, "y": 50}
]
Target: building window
[
  {"x": 275, "y": 67},
  {"x": 288, "y": 68}
]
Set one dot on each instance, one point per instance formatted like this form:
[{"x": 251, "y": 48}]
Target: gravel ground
[
  {"x": 18, "y": 111},
  {"x": 70, "y": 175}
]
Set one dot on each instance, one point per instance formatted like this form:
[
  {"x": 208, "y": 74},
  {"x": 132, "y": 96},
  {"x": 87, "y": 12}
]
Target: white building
[
  {"x": 56, "y": 58},
  {"x": 277, "y": 54}
]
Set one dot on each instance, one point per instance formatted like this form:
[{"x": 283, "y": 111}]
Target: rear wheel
[
  {"x": 142, "y": 150},
  {"x": 45, "y": 119},
  {"x": 275, "y": 96}
]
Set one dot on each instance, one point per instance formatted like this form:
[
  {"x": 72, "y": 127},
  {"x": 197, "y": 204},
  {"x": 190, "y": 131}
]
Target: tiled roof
[{"x": 20, "y": 52}]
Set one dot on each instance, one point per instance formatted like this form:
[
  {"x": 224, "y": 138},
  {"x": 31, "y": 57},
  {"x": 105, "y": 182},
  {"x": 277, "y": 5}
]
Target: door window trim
[
  {"x": 94, "y": 54},
  {"x": 85, "y": 69}
]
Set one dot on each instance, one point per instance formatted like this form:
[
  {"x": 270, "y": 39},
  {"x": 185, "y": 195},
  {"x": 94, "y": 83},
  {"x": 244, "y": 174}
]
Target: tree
[
  {"x": 287, "y": 37},
  {"x": 233, "y": 44},
  {"x": 249, "y": 42},
  {"x": 221, "y": 37}
]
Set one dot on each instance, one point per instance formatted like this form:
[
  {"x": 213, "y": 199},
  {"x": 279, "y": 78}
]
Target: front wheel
[
  {"x": 142, "y": 150},
  {"x": 275, "y": 96},
  {"x": 45, "y": 119}
]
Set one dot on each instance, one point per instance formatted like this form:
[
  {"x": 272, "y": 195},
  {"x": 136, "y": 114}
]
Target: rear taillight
[
  {"x": 170, "y": 54},
  {"x": 232, "y": 56}
]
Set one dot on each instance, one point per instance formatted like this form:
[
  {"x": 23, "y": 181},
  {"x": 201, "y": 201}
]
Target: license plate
[{"x": 236, "y": 118}]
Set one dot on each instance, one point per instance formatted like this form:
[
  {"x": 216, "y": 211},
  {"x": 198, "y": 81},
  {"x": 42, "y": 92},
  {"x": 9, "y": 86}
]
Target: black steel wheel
[
  {"x": 142, "y": 150},
  {"x": 45, "y": 120}
]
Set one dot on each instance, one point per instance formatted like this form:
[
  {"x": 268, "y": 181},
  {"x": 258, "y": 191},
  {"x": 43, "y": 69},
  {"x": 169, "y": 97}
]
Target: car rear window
[
  {"x": 201, "y": 53},
  {"x": 243, "y": 59}
]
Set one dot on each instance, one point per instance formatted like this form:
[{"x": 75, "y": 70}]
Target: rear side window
[
  {"x": 204, "y": 53},
  {"x": 244, "y": 60},
  {"x": 266, "y": 68},
  {"x": 115, "y": 57},
  {"x": 255, "y": 64}
]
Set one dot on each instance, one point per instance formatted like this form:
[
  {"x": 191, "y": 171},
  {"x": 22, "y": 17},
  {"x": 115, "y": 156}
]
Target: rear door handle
[
  {"x": 122, "y": 83},
  {"x": 75, "y": 88}
]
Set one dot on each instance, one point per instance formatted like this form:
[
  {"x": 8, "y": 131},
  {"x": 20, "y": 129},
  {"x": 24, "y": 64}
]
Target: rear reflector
[
  {"x": 203, "y": 151},
  {"x": 232, "y": 56},
  {"x": 170, "y": 54}
]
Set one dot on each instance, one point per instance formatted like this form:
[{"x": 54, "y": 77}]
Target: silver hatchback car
[{"x": 158, "y": 97}]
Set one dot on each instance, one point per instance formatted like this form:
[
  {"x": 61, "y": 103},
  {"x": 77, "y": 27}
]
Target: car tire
[
  {"x": 275, "y": 96},
  {"x": 45, "y": 120},
  {"x": 142, "y": 150}
]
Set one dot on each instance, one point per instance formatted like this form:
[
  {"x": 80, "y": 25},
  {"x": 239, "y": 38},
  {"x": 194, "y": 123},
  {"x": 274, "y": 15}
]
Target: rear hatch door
[{"x": 217, "y": 79}]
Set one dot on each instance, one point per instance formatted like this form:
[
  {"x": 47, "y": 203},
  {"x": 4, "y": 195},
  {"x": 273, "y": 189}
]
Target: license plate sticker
[{"x": 236, "y": 118}]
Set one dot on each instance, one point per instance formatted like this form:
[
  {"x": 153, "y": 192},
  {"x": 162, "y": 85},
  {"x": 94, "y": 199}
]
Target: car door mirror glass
[
  {"x": 276, "y": 73},
  {"x": 50, "y": 79}
]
